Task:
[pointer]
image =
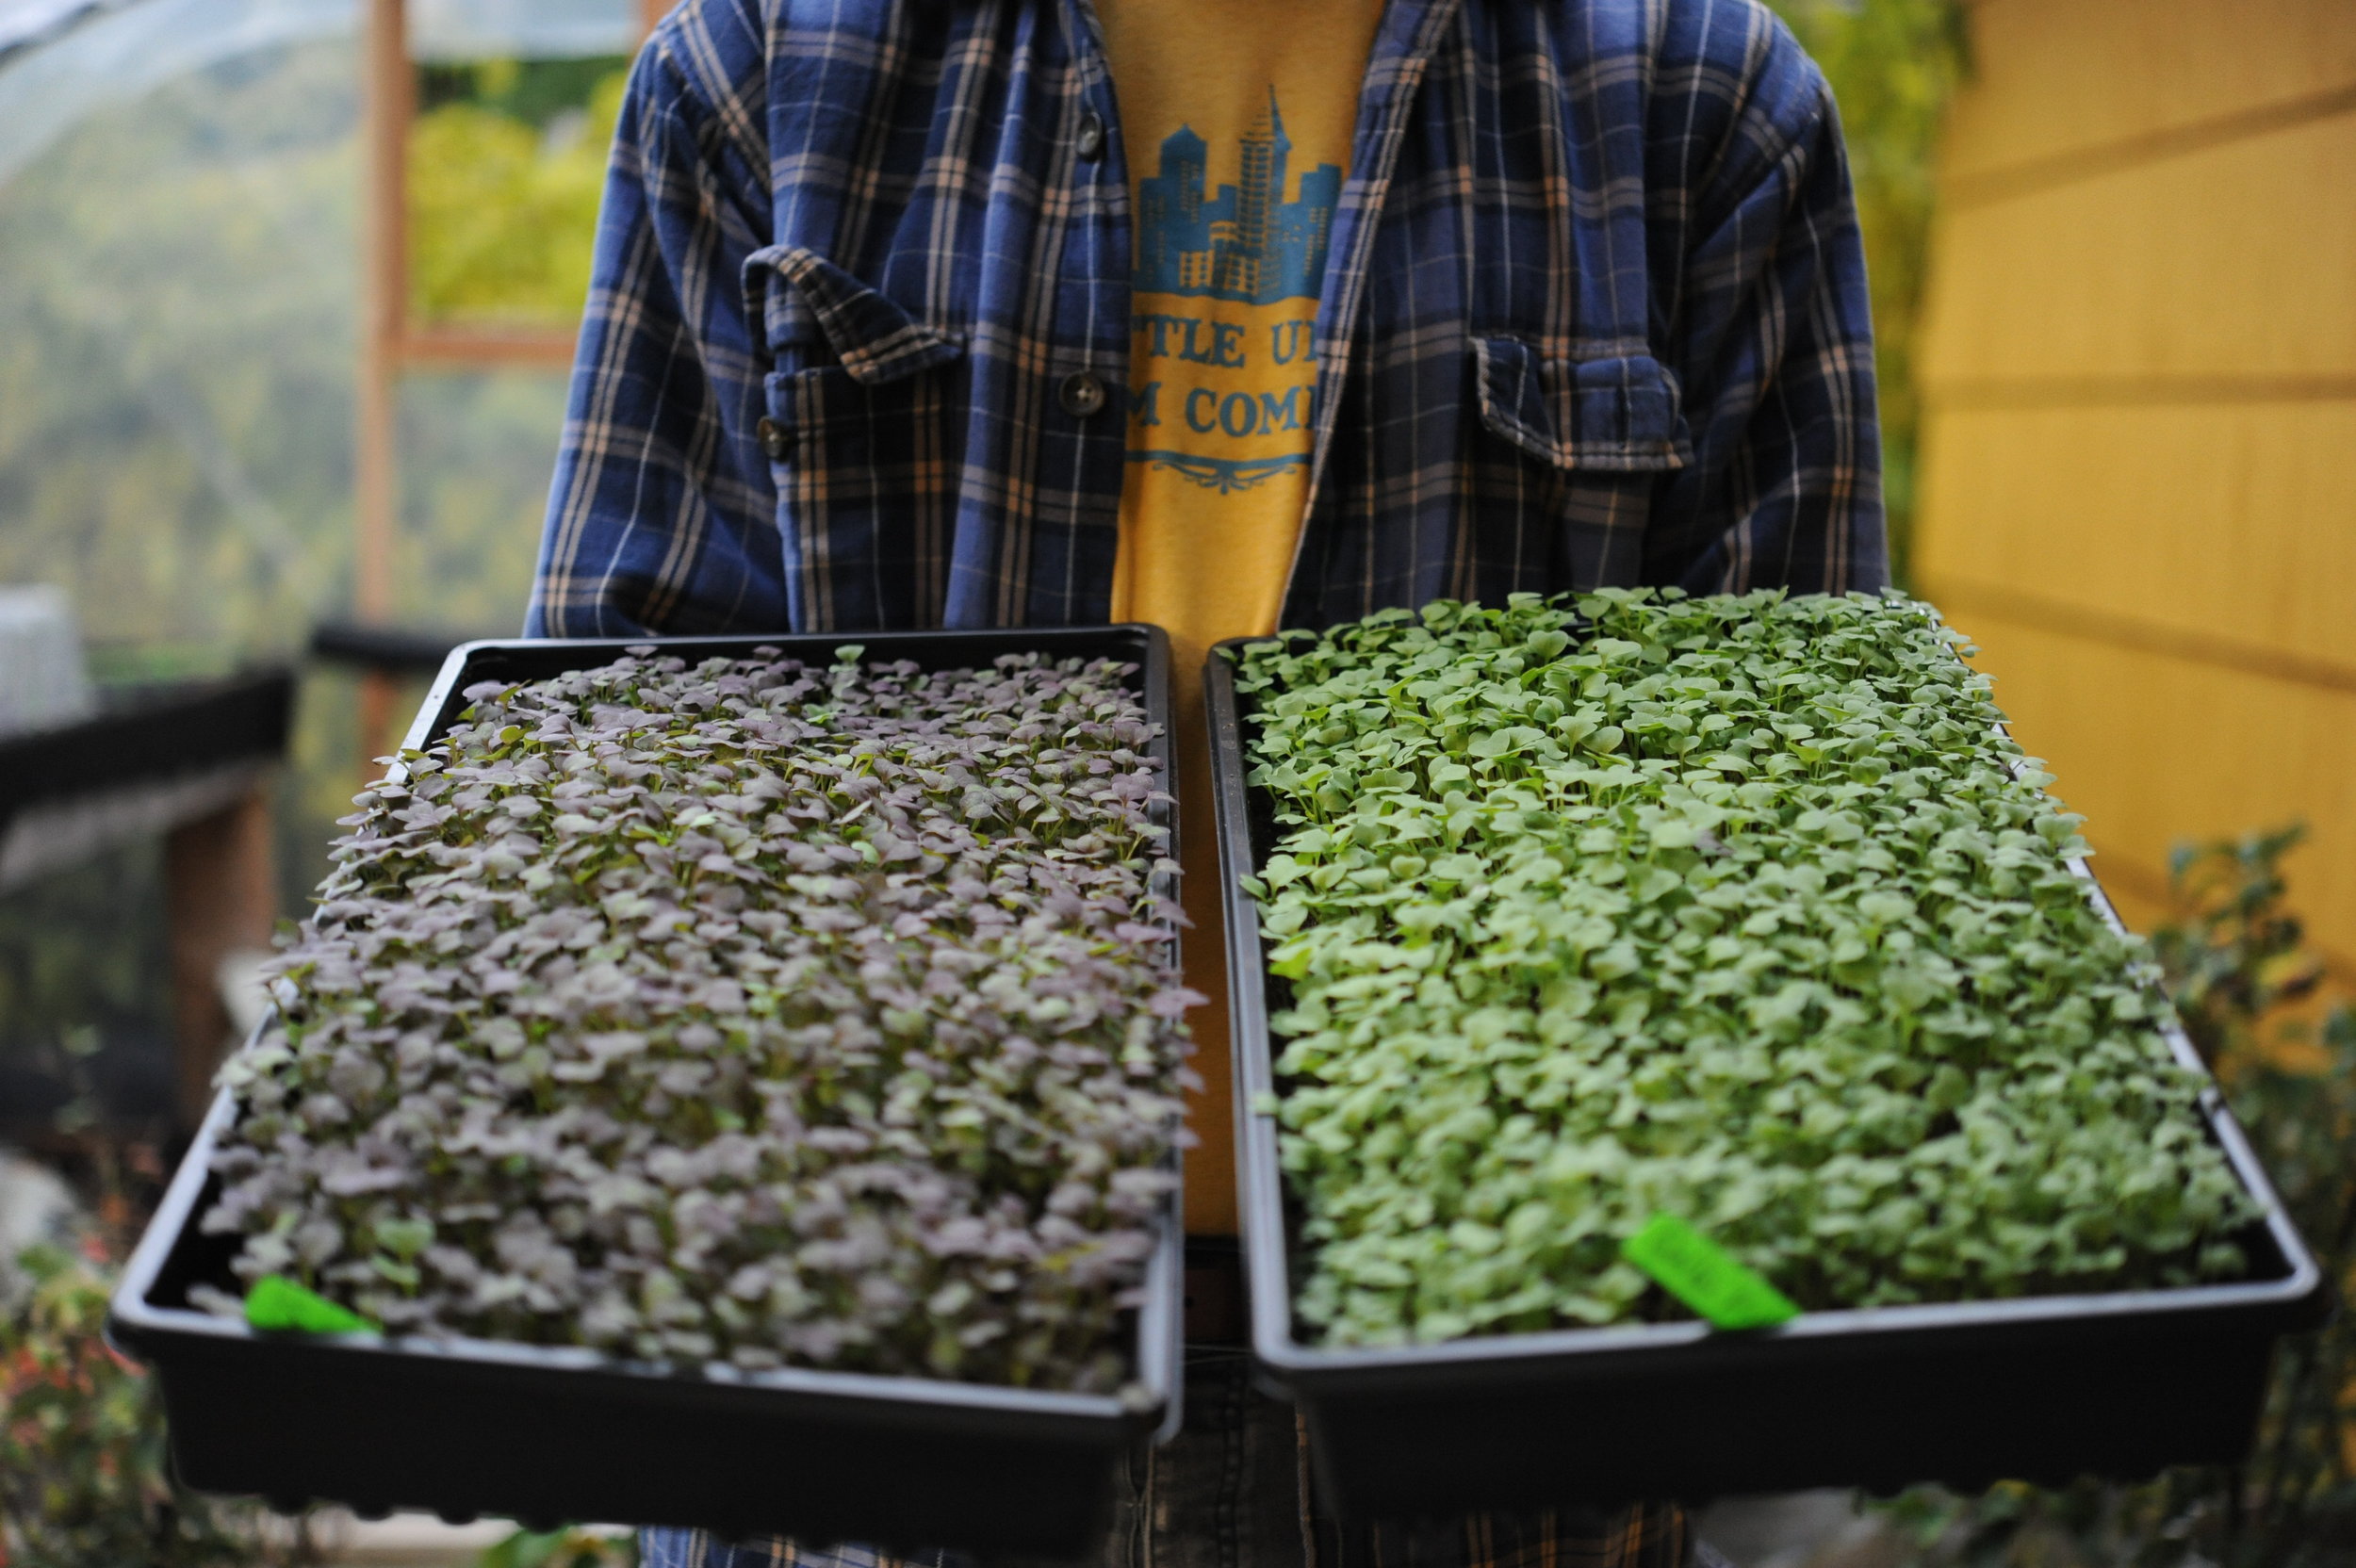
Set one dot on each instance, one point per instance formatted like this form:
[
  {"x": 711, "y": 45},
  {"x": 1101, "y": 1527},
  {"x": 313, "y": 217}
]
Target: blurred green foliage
[
  {"x": 506, "y": 166},
  {"x": 82, "y": 1473},
  {"x": 2240, "y": 955},
  {"x": 2238, "y": 966},
  {"x": 539, "y": 94},
  {"x": 84, "y": 1479},
  {"x": 571, "y": 1548},
  {"x": 1893, "y": 65}
]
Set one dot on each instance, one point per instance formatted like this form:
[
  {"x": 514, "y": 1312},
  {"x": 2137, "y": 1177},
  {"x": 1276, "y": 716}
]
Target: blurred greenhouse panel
[
  {"x": 477, "y": 448},
  {"x": 184, "y": 209},
  {"x": 179, "y": 210},
  {"x": 175, "y": 405},
  {"x": 62, "y": 60}
]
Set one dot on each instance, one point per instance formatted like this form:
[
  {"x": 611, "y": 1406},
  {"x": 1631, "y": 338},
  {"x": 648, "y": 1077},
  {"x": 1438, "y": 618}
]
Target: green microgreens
[{"x": 1734, "y": 909}]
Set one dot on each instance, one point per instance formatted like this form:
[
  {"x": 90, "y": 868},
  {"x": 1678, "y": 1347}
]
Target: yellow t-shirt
[{"x": 1237, "y": 117}]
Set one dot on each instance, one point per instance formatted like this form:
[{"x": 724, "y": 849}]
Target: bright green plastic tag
[
  {"x": 277, "y": 1302},
  {"x": 1703, "y": 1275}
]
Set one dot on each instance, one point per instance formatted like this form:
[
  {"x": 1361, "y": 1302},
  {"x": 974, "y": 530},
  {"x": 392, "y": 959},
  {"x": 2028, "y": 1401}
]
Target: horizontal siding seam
[
  {"x": 2027, "y": 178},
  {"x": 2004, "y": 392},
  {"x": 2041, "y": 613}
]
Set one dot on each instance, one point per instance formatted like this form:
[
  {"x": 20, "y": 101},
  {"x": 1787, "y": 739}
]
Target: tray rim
[
  {"x": 2286, "y": 1302},
  {"x": 137, "y": 1325}
]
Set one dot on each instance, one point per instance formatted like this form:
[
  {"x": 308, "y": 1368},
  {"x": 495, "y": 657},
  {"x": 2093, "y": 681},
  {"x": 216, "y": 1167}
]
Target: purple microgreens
[{"x": 738, "y": 1010}]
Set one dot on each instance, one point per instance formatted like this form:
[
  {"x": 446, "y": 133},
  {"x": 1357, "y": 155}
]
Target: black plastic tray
[
  {"x": 2042, "y": 1388},
  {"x": 150, "y": 734},
  {"x": 466, "y": 1427}
]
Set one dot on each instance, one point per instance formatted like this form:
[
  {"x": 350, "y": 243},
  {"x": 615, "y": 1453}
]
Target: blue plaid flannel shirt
[{"x": 1594, "y": 313}]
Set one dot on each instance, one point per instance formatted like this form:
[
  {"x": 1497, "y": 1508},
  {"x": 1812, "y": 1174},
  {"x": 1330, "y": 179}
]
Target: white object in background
[
  {"x": 244, "y": 994},
  {"x": 42, "y": 683},
  {"x": 403, "y": 1540},
  {"x": 35, "y": 1206}
]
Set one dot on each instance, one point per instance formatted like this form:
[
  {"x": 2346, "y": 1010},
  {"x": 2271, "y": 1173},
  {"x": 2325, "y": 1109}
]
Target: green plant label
[
  {"x": 276, "y": 1302},
  {"x": 1703, "y": 1275}
]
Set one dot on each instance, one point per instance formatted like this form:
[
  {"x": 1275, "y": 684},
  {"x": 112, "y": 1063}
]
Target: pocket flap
[
  {"x": 876, "y": 342},
  {"x": 1615, "y": 413}
]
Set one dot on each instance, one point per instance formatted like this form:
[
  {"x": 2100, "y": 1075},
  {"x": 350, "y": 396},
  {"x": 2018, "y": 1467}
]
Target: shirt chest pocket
[
  {"x": 1607, "y": 414},
  {"x": 1567, "y": 457},
  {"x": 865, "y": 417}
]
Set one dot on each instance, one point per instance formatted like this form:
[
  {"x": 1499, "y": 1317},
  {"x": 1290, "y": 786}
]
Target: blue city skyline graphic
[{"x": 1244, "y": 242}]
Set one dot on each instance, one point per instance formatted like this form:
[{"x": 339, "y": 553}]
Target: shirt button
[
  {"x": 1091, "y": 142},
  {"x": 1083, "y": 395},
  {"x": 771, "y": 436}
]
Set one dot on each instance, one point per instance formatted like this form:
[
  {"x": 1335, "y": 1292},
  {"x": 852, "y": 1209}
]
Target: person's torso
[{"x": 948, "y": 308}]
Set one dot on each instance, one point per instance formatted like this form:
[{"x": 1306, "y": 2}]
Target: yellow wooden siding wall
[{"x": 2139, "y": 446}]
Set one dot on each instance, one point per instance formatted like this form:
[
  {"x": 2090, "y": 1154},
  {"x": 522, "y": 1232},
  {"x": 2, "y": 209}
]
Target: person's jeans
[{"x": 1232, "y": 1490}]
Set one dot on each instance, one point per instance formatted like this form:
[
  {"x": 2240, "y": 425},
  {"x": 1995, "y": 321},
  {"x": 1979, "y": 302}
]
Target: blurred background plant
[
  {"x": 574, "y": 1548},
  {"x": 506, "y": 166},
  {"x": 83, "y": 1479},
  {"x": 2247, "y": 985},
  {"x": 83, "y": 1475}
]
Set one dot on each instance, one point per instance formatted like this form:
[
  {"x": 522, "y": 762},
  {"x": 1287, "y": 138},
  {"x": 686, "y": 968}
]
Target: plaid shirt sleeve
[
  {"x": 662, "y": 513},
  {"x": 1609, "y": 326},
  {"x": 1776, "y": 355}
]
